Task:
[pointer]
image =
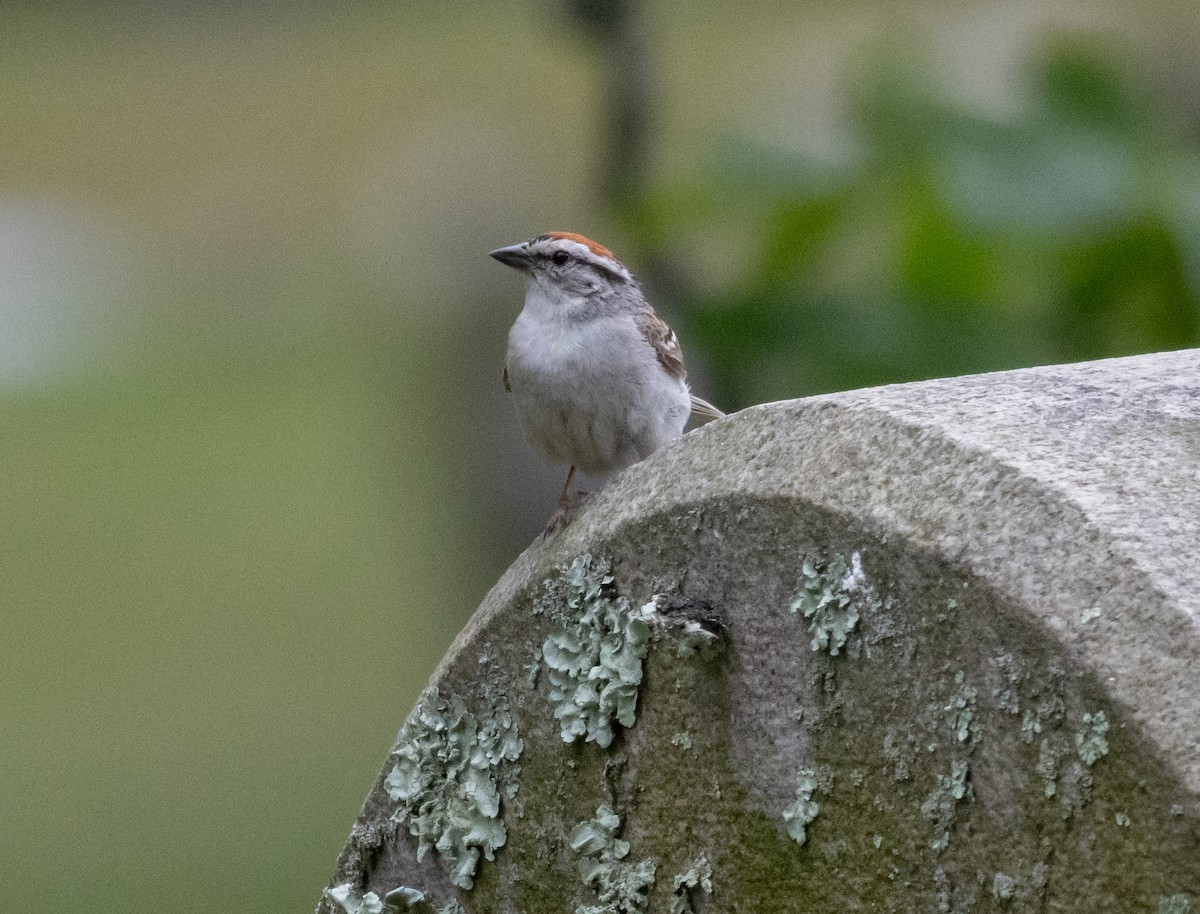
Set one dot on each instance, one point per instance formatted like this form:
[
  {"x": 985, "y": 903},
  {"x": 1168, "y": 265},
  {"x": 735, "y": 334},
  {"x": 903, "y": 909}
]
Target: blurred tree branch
[{"x": 618, "y": 30}]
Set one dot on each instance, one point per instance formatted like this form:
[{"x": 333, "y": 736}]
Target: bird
[{"x": 596, "y": 376}]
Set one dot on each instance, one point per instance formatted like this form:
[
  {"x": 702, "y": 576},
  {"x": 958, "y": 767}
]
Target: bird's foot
[
  {"x": 564, "y": 514},
  {"x": 558, "y": 521}
]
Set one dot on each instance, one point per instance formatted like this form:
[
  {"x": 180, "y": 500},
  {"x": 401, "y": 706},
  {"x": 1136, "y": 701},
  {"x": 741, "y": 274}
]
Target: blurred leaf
[
  {"x": 1075, "y": 83},
  {"x": 949, "y": 242},
  {"x": 1127, "y": 292},
  {"x": 793, "y": 231},
  {"x": 942, "y": 261}
]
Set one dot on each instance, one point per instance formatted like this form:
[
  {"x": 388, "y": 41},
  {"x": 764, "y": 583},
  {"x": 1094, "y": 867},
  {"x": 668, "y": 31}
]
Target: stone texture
[{"x": 1013, "y": 723}]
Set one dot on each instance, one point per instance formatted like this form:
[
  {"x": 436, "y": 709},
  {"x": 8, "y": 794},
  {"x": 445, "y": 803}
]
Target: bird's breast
[{"x": 592, "y": 394}]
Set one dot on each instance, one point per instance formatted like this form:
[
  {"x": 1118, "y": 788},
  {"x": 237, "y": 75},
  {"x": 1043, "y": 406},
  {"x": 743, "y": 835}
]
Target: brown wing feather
[
  {"x": 507, "y": 386},
  {"x": 662, "y": 339}
]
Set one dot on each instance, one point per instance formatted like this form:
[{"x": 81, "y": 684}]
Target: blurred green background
[{"x": 258, "y": 465}]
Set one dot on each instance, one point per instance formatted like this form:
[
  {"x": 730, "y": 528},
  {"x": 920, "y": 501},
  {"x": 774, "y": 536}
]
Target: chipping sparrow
[{"x": 597, "y": 376}]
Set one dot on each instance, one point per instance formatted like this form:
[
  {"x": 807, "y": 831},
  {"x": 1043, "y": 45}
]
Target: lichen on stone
[
  {"x": 697, "y": 878},
  {"x": 959, "y": 711},
  {"x": 1049, "y": 756},
  {"x": 583, "y": 581},
  {"x": 801, "y": 813},
  {"x": 831, "y": 596},
  {"x": 693, "y": 638},
  {"x": 594, "y": 659},
  {"x": 404, "y": 898},
  {"x": 621, "y": 887},
  {"x": 351, "y": 902},
  {"x": 693, "y": 625},
  {"x": 682, "y": 740},
  {"x": 1030, "y": 727},
  {"x": 896, "y": 756},
  {"x": 940, "y": 804},
  {"x": 1089, "y": 739},
  {"x": 1003, "y": 887},
  {"x": 449, "y": 770},
  {"x": 1176, "y": 904}
]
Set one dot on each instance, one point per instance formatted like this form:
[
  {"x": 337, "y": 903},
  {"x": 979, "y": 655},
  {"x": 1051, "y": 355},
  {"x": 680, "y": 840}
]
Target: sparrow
[{"x": 597, "y": 377}]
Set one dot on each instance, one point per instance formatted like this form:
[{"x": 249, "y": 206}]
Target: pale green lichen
[
  {"x": 1039, "y": 876},
  {"x": 621, "y": 887},
  {"x": 577, "y": 584},
  {"x": 1030, "y": 727},
  {"x": 697, "y": 878},
  {"x": 1047, "y": 766},
  {"x": 896, "y": 756},
  {"x": 594, "y": 659},
  {"x": 682, "y": 740},
  {"x": 693, "y": 638},
  {"x": 831, "y": 596},
  {"x": 404, "y": 898},
  {"x": 801, "y": 813},
  {"x": 447, "y": 778},
  {"x": 1121, "y": 819},
  {"x": 940, "y": 805},
  {"x": 959, "y": 711},
  {"x": 1176, "y": 904},
  {"x": 533, "y": 671},
  {"x": 1090, "y": 741},
  {"x": 351, "y": 902},
  {"x": 1003, "y": 887}
]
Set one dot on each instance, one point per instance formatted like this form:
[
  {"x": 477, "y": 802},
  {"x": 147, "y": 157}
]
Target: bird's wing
[
  {"x": 507, "y": 386},
  {"x": 662, "y": 339},
  {"x": 666, "y": 347}
]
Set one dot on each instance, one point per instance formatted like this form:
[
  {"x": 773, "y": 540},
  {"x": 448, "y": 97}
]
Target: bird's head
[{"x": 563, "y": 265}]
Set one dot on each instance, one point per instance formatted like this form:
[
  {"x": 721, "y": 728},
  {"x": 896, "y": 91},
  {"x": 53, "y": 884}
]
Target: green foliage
[
  {"x": 948, "y": 241},
  {"x": 594, "y": 658},
  {"x": 448, "y": 770}
]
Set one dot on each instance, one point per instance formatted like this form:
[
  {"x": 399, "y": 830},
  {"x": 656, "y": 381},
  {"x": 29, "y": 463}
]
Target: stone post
[{"x": 924, "y": 648}]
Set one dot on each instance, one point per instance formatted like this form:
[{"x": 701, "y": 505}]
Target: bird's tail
[{"x": 705, "y": 411}]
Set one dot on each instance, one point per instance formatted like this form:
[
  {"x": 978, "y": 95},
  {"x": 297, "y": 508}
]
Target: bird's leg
[{"x": 562, "y": 516}]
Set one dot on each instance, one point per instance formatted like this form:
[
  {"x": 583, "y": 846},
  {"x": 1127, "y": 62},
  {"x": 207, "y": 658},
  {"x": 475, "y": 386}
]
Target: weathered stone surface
[{"x": 986, "y": 699}]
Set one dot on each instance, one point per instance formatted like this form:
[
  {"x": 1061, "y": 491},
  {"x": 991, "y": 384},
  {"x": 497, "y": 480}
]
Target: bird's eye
[{"x": 560, "y": 258}]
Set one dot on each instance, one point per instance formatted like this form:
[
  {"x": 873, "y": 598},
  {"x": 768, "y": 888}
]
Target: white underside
[{"x": 591, "y": 394}]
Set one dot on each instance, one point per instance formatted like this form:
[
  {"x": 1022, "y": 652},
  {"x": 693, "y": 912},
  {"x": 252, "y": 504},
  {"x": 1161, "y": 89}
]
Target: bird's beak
[{"x": 515, "y": 255}]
